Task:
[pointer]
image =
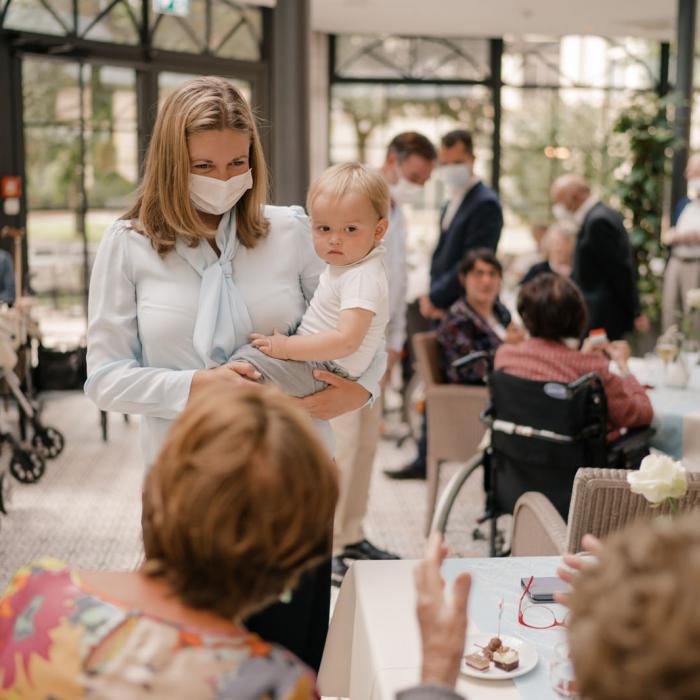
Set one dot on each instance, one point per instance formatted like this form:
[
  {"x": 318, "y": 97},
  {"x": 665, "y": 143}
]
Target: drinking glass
[
  {"x": 666, "y": 351},
  {"x": 561, "y": 672}
]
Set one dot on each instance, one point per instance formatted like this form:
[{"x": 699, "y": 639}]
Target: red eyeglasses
[{"x": 537, "y": 617}]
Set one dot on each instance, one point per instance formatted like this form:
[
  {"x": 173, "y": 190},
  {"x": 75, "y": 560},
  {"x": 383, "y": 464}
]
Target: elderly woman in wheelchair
[
  {"x": 554, "y": 313},
  {"x": 554, "y": 408}
]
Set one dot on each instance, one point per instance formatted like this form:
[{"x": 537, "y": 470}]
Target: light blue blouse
[{"x": 143, "y": 310}]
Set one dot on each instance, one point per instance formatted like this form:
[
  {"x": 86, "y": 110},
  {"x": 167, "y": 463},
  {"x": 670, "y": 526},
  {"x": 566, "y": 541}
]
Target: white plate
[{"x": 526, "y": 652}]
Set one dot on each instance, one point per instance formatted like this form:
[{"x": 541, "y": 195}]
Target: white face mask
[
  {"x": 405, "y": 191},
  {"x": 561, "y": 213},
  {"x": 456, "y": 175},
  {"x": 694, "y": 187},
  {"x": 213, "y": 196}
]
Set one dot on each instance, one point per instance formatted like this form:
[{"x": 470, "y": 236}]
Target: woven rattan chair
[
  {"x": 601, "y": 503},
  {"x": 454, "y": 428}
]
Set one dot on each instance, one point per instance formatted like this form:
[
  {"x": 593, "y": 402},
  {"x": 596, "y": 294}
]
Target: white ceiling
[{"x": 654, "y": 19}]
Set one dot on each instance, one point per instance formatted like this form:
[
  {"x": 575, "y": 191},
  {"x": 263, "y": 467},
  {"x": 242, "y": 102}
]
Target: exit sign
[{"x": 181, "y": 8}]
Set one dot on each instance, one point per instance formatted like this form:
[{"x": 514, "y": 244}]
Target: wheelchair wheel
[
  {"x": 5, "y": 492},
  {"x": 48, "y": 442},
  {"x": 27, "y": 466}
]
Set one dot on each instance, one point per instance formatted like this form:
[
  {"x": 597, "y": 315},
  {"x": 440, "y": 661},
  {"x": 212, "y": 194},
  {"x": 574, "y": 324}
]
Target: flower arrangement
[{"x": 660, "y": 479}]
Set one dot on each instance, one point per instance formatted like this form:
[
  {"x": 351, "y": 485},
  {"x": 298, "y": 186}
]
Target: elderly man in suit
[
  {"x": 471, "y": 219},
  {"x": 604, "y": 266}
]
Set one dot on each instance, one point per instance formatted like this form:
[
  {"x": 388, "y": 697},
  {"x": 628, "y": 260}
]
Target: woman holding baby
[{"x": 183, "y": 279}]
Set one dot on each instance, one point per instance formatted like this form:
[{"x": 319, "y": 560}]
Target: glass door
[{"x": 80, "y": 133}]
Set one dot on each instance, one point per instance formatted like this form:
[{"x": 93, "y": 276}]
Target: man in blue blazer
[{"x": 472, "y": 218}]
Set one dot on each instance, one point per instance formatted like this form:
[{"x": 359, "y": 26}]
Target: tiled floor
[{"x": 86, "y": 508}]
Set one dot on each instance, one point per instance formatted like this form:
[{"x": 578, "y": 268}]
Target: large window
[
  {"x": 81, "y": 167},
  {"x": 559, "y": 99},
  {"x": 221, "y": 28},
  {"x": 92, "y": 78},
  {"x": 382, "y": 86}
]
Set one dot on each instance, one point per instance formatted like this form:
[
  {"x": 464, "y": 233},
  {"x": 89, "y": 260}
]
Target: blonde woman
[
  {"x": 243, "y": 472},
  {"x": 188, "y": 273}
]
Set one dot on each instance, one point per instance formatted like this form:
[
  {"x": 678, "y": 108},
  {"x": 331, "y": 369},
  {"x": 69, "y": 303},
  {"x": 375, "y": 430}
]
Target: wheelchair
[{"x": 541, "y": 433}]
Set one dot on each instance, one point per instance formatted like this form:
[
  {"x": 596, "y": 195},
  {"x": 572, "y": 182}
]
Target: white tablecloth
[
  {"x": 373, "y": 647},
  {"x": 676, "y": 412}
]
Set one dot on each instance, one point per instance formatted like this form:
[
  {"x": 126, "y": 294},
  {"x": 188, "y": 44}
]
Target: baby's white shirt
[{"x": 361, "y": 285}]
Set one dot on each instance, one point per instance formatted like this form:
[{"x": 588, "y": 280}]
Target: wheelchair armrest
[
  {"x": 633, "y": 439},
  {"x": 470, "y": 358}
]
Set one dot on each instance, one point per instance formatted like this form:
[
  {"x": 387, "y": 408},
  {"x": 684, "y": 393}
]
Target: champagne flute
[{"x": 666, "y": 351}]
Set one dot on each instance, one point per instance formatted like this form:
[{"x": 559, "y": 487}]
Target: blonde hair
[
  {"x": 239, "y": 502},
  {"x": 634, "y": 627},
  {"x": 352, "y": 177},
  {"x": 163, "y": 209}
]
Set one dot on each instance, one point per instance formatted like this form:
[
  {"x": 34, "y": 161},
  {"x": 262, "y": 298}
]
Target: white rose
[
  {"x": 692, "y": 299},
  {"x": 659, "y": 477}
]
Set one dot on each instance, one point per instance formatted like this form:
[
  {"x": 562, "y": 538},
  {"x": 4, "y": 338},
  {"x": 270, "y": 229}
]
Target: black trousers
[{"x": 301, "y": 625}]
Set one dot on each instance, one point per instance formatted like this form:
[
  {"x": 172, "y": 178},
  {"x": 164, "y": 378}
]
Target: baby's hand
[{"x": 274, "y": 345}]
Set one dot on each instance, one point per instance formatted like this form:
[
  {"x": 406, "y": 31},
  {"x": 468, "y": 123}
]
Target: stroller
[{"x": 27, "y": 464}]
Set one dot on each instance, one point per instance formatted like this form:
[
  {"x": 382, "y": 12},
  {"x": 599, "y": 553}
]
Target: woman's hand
[
  {"x": 575, "y": 563},
  {"x": 619, "y": 351},
  {"x": 341, "y": 396},
  {"x": 443, "y": 623},
  {"x": 232, "y": 374}
]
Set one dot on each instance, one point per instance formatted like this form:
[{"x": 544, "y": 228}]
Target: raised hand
[
  {"x": 592, "y": 547},
  {"x": 442, "y": 621}
]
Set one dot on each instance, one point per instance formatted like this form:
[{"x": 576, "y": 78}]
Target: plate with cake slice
[{"x": 496, "y": 658}]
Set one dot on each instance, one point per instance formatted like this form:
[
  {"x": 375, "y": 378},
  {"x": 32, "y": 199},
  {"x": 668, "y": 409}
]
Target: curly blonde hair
[
  {"x": 634, "y": 628},
  {"x": 163, "y": 209},
  {"x": 239, "y": 502}
]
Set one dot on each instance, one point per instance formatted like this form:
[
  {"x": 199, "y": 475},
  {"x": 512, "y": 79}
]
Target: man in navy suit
[{"x": 472, "y": 218}]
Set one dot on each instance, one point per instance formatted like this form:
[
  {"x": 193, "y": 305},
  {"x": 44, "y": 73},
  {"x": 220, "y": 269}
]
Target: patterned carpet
[{"x": 86, "y": 508}]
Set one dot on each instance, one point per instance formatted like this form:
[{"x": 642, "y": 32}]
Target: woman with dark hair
[
  {"x": 555, "y": 316},
  {"x": 477, "y": 321}
]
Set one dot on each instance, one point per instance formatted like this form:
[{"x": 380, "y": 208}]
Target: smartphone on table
[{"x": 543, "y": 588}]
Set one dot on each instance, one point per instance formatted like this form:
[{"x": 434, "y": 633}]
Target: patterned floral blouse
[
  {"x": 60, "y": 641},
  {"x": 462, "y": 331}
]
